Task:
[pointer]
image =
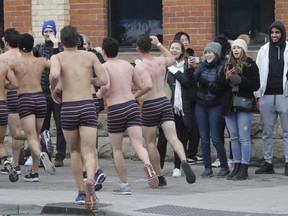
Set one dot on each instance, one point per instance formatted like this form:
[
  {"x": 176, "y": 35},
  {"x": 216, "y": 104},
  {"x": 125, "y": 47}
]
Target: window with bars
[{"x": 129, "y": 19}]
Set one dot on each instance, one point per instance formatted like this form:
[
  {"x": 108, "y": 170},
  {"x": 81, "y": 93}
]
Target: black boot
[
  {"x": 234, "y": 171},
  {"x": 243, "y": 173}
]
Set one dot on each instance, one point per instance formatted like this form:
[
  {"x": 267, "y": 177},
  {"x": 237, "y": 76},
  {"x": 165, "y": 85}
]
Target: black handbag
[{"x": 242, "y": 103}]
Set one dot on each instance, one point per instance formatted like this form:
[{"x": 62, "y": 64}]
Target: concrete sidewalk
[{"x": 264, "y": 195}]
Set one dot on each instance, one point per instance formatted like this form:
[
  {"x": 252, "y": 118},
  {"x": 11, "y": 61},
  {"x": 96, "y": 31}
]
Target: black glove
[
  {"x": 204, "y": 83},
  {"x": 235, "y": 79}
]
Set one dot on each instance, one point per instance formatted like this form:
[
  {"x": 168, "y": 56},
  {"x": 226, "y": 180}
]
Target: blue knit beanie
[{"x": 49, "y": 24}]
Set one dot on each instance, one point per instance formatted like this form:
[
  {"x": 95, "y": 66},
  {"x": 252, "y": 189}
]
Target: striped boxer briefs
[
  {"x": 3, "y": 113},
  {"x": 12, "y": 102},
  {"x": 78, "y": 113},
  {"x": 32, "y": 104},
  {"x": 155, "y": 112},
  {"x": 124, "y": 115}
]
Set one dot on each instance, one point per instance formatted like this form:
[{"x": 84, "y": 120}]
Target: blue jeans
[
  {"x": 209, "y": 120},
  {"x": 239, "y": 126}
]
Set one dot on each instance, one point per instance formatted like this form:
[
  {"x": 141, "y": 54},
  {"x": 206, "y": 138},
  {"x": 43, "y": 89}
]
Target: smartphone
[{"x": 230, "y": 66}]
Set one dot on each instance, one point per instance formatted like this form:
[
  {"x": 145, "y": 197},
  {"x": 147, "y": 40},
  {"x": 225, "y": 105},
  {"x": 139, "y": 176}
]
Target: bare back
[
  {"x": 155, "y": 67},
  {"x": 28, "y": 70},
  {"x": 9, "y": 56},
  {"x": 76, "y": 73},
  {"x": 121, "y": 75}
]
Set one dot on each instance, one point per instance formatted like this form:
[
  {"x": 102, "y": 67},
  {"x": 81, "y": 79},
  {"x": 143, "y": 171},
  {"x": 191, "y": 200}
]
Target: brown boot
[{"x": 58, "y": 163}]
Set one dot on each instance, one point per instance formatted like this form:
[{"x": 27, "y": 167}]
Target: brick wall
[
  {"x": 281, "y": 11},
  {"x": 57, "y": 10},
  {"x": 90, "y": 19},
  {"x": 17, "y": 14},
  {"x": 25, "y": 15},
  {"x": 196, "y": 17}
]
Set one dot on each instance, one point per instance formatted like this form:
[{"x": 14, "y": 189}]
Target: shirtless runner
[
  {"x": 157, "y": 109},
  {"x": 6, "y": 75},
  {"x": 10, "y": 38},
  {"x": 78, "y": 113},
  {"x": 123, "y": 114},
  {"x": 31, "y": 102}
]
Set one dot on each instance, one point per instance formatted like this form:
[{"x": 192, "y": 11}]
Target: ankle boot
[
  {"x": 243, "y": 173},
  {"x": 234, "y": 171}
]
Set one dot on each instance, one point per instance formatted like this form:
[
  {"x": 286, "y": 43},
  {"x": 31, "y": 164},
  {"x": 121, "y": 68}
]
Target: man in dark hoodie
[
  {"x": 46, "y": 50},
  {"x": 272, "y": 61}
]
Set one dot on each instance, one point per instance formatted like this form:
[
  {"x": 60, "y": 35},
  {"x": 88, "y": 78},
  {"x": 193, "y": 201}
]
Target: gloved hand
[
  {"x": 173, "y": 69},
  {"x": 235, "y": 79},
  {"x": 235, "y": 88},
  {"x": 204, "y": 83}
]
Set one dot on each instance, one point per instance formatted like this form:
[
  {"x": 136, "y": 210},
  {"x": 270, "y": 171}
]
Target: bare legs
[{"x": 82, "y": 146}]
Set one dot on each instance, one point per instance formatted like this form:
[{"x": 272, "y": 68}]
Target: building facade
[{"x": 196, "y": 17}]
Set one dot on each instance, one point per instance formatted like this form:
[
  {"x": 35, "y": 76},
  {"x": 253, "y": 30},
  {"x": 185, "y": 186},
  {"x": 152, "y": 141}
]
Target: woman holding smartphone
[{"x": 241, "y": 79}]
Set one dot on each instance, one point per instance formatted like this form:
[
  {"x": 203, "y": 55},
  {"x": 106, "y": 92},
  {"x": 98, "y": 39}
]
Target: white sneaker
[
  {"x": 216, "y": 163},
  {"x": 29, "y": 161},
  {"x": 176, "y": 173},
  {"x": 48, "y": 165},
  {"x": 199, "y": 159},
  {"x": 46, "y": 140}
]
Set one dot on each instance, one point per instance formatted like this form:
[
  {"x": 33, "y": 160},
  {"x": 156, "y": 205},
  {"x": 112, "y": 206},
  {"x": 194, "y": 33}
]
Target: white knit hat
[{"x": 241, "y": 43}]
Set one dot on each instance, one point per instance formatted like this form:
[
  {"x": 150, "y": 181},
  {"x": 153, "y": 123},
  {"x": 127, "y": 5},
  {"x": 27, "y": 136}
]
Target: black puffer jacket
[
  {"x": 210, "y": 94},
  {"x": 45, "y": 50},
  {"x": 250, "y": 82}
]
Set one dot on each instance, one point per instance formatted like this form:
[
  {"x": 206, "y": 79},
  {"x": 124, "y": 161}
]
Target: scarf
[{"x": 178, "y": 105}]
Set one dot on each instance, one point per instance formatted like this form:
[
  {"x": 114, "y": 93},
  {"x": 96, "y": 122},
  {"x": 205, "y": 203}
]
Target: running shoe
[
  {"x": 46, "y": 140},
  {"x": 123, "y": 189},
  {"x": 13, "y": 175},
  {"x": 98, "y": 187},
  {"x": 18, "y": 169},
  {"x": 192, "y": 160},
  {"x": 190, "y": 176},
  {"x": 90, "y": 201},
  {"x": 151, "y": 175},
  {"x": 48, "y": 165},
  {"x": 5, "y": 171},
  {"x": 31, "y": 177},
  {"x": 80, "y": 199},
  {"x": 199, "y": 159},
  {"x": 162, "y": 182},
  {"x": 100, "y": 177}
]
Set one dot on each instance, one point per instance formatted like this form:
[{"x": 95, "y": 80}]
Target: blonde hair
[{"x": 238, "y": 64}]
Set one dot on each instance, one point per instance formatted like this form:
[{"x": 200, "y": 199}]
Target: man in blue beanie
[{"x": 47, "y": 49}]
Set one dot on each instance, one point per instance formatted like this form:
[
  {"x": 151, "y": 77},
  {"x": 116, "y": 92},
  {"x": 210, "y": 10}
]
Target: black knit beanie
[{"x": 26, "y": 42}]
